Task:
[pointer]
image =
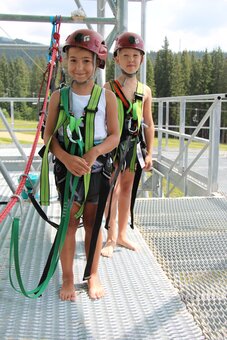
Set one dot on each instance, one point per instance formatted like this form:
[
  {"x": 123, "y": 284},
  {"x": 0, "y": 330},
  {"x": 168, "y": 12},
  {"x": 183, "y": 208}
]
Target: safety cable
[{"x": 55, "y": 49}]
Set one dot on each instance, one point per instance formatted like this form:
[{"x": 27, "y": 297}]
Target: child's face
[
  {"x": 80, "y": 64},
  {"x": 129, "y": 59}
]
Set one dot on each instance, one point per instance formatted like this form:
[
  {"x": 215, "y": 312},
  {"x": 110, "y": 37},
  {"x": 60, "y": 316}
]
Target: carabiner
[
  {"x": 69, "y": 134},
  {"x": 133, "y": 132}
]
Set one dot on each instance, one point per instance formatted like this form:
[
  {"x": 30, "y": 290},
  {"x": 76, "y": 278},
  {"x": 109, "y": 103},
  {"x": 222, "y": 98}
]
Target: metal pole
[
  {"x": 13, "y": 136},
  {"x": 215, "y": 123},
  {"x": 101, "y": 30},
  {"x": 143, "y": 67},
  {"x": 80, "y": 6},
  {"x": 7, "y": 177},
  {"x": 69, "y": 20},
  {"x": 122, "y": 23}
]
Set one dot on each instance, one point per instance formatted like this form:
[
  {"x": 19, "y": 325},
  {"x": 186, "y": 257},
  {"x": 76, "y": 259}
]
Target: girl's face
[
  {"x": 80, "y": 64},
  {"x": 129, "y": 59}
]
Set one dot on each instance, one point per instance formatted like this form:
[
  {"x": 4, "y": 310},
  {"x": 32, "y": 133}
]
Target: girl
[{"x": 85, "y": 51}]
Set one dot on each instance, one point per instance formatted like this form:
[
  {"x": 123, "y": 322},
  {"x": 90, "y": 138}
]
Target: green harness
[
  {"x": 77, "y": 147},
  {"x": 129, "y": 117},
  {"x": 71, "y": 127}
]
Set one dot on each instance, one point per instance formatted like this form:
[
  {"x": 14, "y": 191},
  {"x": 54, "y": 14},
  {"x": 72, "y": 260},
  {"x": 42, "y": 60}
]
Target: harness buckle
[
  {"x": 86, "y": 109},
  {"x": 108, "y": 168},
  {"x": 138, "y": 96}
]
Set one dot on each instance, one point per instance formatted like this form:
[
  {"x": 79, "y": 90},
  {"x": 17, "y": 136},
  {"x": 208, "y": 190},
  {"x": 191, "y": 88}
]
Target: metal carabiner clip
[
  {"x": 19, "y": 199},
  {"x": 133, "y": 132},
  {"x": 69, "y": 134}
]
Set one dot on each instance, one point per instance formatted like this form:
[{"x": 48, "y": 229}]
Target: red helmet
[
  {"x": 129, "y": 40},
  {"x": 90, "y": 40}
]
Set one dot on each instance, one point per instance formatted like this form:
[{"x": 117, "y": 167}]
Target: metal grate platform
[
  {"x": 140, "y": 302},
  {"x": 188, "y": 236}
]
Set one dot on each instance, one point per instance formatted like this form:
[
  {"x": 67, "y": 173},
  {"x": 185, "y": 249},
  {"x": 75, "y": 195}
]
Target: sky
[{"x": 188, "y": 24}]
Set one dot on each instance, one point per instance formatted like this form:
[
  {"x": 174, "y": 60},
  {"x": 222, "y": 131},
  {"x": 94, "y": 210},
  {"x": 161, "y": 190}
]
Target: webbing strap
[
  {"x": 90, "y": 112},
  {"x": 44, "y": 176},
  {"x": 103, "y": 195},
  {"x": 55, "y": 250}
]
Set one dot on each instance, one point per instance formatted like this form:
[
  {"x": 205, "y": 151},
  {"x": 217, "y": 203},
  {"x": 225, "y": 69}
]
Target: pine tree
[
  {"x": 217, "y": 58},
  {"x": 206, "y": 74},
  {"x": 186, "y": 69},
  {"x": 110, "y": 69},
  {"x": 195, "y": 76},
  {"x": 163, "y": 71},
  {"x": 150, "y": 77},
  {"x": 177, "y": 85}
]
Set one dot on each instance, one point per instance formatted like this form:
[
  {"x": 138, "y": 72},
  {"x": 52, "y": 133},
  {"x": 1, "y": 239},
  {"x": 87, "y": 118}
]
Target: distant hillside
[
  {"x": 19, "y": 47},
  {"x": 14, "y": 48}
]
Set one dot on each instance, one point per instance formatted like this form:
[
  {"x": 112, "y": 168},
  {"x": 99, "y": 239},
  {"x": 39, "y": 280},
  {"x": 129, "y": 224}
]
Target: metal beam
[{"x": 48, "y": 19}]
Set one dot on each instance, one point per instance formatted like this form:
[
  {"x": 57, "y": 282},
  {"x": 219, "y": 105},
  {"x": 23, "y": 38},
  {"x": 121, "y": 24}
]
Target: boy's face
[{"x": 129, "y": 59}]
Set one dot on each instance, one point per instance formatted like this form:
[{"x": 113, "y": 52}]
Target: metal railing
[
  {"x": 178, "y": 171},
  {"x": 168, "y": 172}
]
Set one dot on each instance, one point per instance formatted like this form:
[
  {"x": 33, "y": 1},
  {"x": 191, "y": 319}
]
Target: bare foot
[
  {"x": 67, "y": 291},
  {"x": 95, "y": 289},
  {"x": 108, "y": 249},
  {"x": 127, "y": 244}
]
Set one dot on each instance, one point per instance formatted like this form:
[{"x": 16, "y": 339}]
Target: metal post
[
  {"x": 101, "y": 30},
  {"x": 143, "y": 76},
  {"x": 12, "y": 113},
  {"x": 13, "y": 136},
  {"x": 182, "y": 129},
  {"x": 160, "y": 126},
  {"x": 122, "y": 23},
  {"x": 215, "y": 123},
  {"x": 7, "y": 177},
  {"x": 167, "y": 125}
]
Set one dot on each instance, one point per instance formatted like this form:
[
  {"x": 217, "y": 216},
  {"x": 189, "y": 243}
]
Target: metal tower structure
[{"x": 118, "y": 20}]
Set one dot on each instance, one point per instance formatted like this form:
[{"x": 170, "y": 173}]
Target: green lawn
[{"x": 20, "y": 124}]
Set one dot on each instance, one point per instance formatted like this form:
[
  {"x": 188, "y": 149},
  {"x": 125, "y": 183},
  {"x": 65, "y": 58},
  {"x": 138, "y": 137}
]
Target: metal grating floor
[
  {"x": 140, "y": 302},
  {"x": 188, "y": 237}
]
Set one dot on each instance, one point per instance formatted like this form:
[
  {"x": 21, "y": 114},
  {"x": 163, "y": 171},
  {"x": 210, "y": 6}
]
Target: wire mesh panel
[{"x": 188, "y": 237}]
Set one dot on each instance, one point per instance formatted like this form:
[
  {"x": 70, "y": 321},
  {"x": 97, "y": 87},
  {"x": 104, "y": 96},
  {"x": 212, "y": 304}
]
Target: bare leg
[
  {"x": 124, "y": 202},
  {"x": 67, "y": 291},
  {"x": 110, "y": 244},
  {"x": 95, "y": 288}
]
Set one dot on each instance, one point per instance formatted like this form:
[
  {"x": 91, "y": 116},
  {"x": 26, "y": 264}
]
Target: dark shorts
[
  {"x": 129, "y": 155},
  {"x": 93, "y": 192}
]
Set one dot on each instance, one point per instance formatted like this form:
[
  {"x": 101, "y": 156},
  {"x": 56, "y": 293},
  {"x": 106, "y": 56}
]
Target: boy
[{"x": 128, "y": 55}]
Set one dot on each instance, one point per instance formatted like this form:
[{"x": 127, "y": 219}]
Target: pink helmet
[
  {"x": 90, "y": 40},
  {"x": 129, "y": 40}
]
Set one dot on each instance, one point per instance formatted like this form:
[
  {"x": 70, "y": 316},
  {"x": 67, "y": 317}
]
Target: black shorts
[
  {"x": 93, "y": 192},
  {"x": 129, "y": 155}
]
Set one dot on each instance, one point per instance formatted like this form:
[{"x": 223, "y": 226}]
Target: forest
[{"x": 168, "y": 74}]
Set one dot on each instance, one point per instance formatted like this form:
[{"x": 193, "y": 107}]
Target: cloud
[{"x": 187, "y": 24}]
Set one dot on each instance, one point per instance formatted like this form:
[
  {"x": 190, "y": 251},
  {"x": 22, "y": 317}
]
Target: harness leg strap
[{"x": 103, "y": 195}]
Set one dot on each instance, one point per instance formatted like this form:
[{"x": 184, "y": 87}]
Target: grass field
[{"x": 28, "y": 137}]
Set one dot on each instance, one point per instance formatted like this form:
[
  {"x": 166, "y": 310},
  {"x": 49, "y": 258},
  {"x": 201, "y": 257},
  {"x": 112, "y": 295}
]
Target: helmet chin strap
[{"x": 129, "y": 75}]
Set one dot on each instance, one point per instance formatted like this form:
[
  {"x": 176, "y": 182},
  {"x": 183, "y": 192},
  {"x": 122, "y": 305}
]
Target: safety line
[{"x": 20, "y": 187}]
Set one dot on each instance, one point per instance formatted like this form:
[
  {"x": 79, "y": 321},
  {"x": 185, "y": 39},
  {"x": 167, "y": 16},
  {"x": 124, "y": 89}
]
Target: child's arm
[
  {"x": 113, "y": 134},
  {"x": 76, "y": 165},
  {"x": 149, "y": 127}
]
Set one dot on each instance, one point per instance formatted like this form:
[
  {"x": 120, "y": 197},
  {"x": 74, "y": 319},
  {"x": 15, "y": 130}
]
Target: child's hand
[
  {"x": 91, "y": 156},
  {"x": 78, "y": 166},
  {"x": 148, "y": 163}
]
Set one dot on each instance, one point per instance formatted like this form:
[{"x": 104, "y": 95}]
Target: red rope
[{"x": 21, "y": 184}]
